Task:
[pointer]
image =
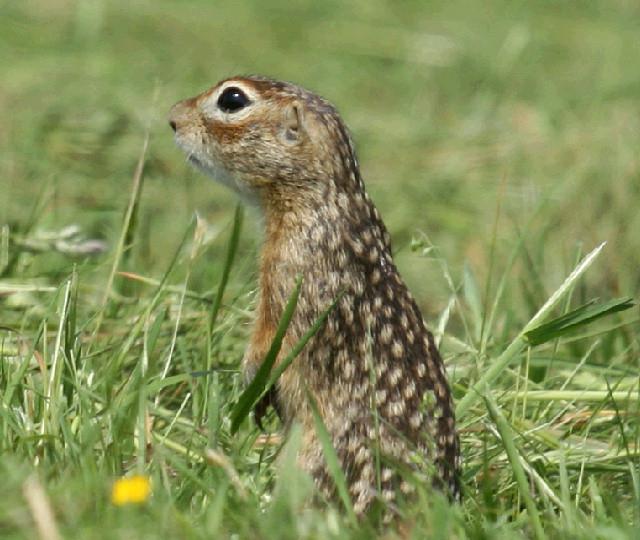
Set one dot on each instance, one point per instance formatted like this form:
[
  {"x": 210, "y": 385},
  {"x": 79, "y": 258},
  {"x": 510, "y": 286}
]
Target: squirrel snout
[{"x": 180, "y": 114}]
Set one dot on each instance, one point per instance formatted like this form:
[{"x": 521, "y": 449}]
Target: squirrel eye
[{"x": 232, "y": 99}]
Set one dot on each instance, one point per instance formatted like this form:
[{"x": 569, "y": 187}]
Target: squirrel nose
[{"x": 181, "y": 113}]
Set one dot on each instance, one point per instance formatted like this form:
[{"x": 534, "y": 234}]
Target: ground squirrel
[{"x": 373, "y": 368}]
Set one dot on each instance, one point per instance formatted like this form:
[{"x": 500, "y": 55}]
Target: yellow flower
[{"x": 134, "y": 489}]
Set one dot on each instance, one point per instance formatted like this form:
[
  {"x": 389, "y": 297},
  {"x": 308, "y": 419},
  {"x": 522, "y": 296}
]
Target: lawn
[{"x": 500, "y": 141}]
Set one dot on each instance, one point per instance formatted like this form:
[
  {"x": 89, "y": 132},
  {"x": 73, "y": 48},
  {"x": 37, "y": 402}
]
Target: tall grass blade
[
  {"x": 514, "y": 458},
  {"x": 53, "y": 387},
  {"x": 331, "y": 457},
  {"x": 126, "y": 233},
  {"x": 232, "y": 248}
]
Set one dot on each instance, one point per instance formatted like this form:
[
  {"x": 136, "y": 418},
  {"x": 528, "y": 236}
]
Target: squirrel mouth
[{"x": 193, "y": 160}]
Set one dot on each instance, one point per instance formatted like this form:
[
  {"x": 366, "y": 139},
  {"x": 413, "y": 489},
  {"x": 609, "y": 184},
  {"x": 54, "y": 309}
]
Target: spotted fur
[{"x": 373, "y": 368}]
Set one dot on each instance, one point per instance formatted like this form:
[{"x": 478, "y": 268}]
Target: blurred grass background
[
  {"x": 523, "y": 116},
  {"x": 455, "y": 107}
]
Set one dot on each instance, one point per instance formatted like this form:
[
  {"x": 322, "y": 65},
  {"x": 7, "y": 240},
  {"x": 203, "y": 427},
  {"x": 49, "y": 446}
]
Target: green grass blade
[
  {"x": 576, "y": 318},
  {"x": 566, "y": 286},
  {"x": 518, "y": 472},
  {"x": 252, "y": 393},
  {"x": 519, "y": 343},
  {"x": 232, "y": 249},
  {"x": 331, "y": 457},
  {"x": 53, "y": 388},
  {"x": 18, "y": 375},
  {"x": 295, "y": 351},
  {"x": 313, "y": 330}
]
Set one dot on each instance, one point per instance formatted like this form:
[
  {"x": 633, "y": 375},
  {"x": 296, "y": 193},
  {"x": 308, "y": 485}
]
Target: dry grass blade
[
  {"x": 40, "y": 508},
  {"x": 218, "y": 459}
]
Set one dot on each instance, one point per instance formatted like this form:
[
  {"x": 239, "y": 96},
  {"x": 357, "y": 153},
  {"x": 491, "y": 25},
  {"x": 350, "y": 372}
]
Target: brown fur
[{"x": 373, "y": 368}]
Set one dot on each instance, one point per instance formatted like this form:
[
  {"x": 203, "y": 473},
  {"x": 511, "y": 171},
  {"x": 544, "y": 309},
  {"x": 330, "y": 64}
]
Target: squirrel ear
[{"x": 293, "y": 122}]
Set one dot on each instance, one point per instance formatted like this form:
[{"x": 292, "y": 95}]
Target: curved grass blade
[
  {"x": 126, "y": 233},
  {"x": 519, "y": 343}
]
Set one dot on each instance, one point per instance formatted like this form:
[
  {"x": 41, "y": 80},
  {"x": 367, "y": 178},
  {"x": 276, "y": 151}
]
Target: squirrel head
[{"x": 268, "y": 140}]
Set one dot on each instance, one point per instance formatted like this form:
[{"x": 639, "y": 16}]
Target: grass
[{"x": 499, "y": 140}]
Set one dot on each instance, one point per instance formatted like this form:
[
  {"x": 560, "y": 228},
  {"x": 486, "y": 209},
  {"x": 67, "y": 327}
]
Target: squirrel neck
[
  {"x": 328, "y": 237},
  {"x": 300, "y": 232}
]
